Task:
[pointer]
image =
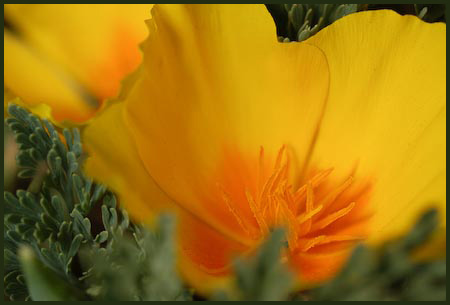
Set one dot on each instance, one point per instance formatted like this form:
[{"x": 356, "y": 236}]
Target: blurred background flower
[{"x": 71, "y": 57}]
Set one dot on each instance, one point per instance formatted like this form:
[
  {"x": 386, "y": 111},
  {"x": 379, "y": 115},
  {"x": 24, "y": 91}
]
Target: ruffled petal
[{"x": 215, "y": 79}]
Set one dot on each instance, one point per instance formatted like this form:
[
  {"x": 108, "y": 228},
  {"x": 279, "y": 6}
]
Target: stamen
[
  {"x": 233, "y": 211},
  {"x": 278, "y": 219},
  {"x": 261, "y": 169},
  {"x": 317, "y": 179},
  {"x": 304, "y": 211},
  {"x": 279, "y": 176},
  {"x": 306, "y": 244},
  {"x": 279, "y": 157},
  {"x": 309, "y": 205},
  {"x": 292, "y": 225},
  {"x": 288, "y": 164},
  {"x": 331, "y": 197},
  {"x": 289, "y": 198},
  {"x": 308, "y": 215},
  {"x": 267, "y": 186},
  {"x": 309, "y": 197},
  {"x": 299, "y": 196},
  {"x": 332, "y": 217},
  {"x": 256, "y": 213}
]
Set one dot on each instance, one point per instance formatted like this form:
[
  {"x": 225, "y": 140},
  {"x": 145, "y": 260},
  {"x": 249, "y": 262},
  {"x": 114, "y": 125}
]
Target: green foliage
[
  {"x": 43, "y": 284},
  {"x": 430, "y": 12},
  {"x": 50, "y": 216},
  {"x": 297, "y": 22},
  {"x": 263, "y": 277},
  {"x": 389, "y": 273},
  {"x": 9, "y": 170},
  {"x": 140, "y": 269},
  {"x": 53, "y": 218}
]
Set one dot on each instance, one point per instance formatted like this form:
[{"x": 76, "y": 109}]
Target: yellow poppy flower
[
  {"x": 340, "y": 138},
  {"x": 71, "y": 57}
]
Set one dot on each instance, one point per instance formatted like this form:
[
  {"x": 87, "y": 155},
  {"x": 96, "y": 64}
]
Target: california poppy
[{"x": 340, "y": 138}]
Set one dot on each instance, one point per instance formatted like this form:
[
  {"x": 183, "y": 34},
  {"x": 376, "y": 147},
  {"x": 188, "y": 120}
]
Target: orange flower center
[{"x": 322, "y": 216}]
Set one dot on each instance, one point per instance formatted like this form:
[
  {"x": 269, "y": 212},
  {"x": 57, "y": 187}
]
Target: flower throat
[{"x": 320, "y": 215}]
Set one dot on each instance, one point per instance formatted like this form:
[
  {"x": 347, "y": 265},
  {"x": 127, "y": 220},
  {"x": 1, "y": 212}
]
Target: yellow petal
[
  {"x": 215, "y": 78},
  {"x": 205, "y": 254},
  {"x": 28, "y": 77},
  {"x": 87, "y": 49},
  {"x": 386, "y": 112},
  {"x": 113, "y": 160}
]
